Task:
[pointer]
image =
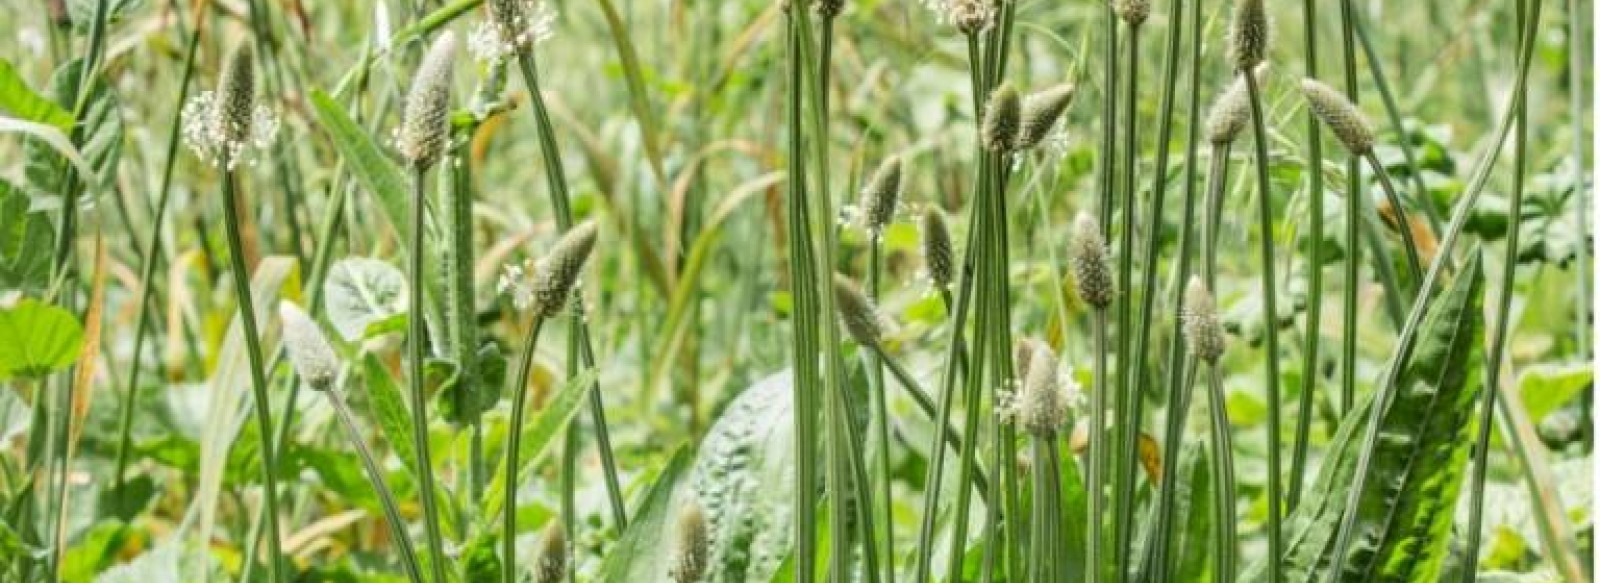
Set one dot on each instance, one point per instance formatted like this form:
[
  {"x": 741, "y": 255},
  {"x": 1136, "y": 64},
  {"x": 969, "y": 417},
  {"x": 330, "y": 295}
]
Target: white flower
[
  {"x": 970, "y": 16},
  {"x": 516, "y": 283},
  {"x": 513, "y": 28},
  {"x": 204, "y": 131}
]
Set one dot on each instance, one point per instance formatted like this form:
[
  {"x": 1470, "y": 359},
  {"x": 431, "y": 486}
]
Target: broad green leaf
[
  {"x": 92, "y": 551},
  {"x": 744, "y": 477},
  {"x": 37, "y": 339},
  {"x": 1406, "y": 510},
  {"x": 390, "y": 411},
  {"x": 643, "y": 552},
  {"x": 362, "y": 294},
  {"x": 98, "y": 136},
  {"x": 537, "y": 436},
  {"x": 23, "y": 103},
  {"x": 376, "y": 171},
  {"x": 51, "y": 137},
  {"x": 23, "y": 233},
  {"x": 1546, "y": 388},
  {"x": 467, "y": 396}
]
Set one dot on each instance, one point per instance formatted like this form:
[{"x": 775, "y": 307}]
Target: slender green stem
[
  {"x": 1097, "y": 450},
  {"x": 1222, "y": 460},
  {"x": 561, "y": 202},
  {"x": 948, "y": 434},
  {"x": 1402, "y": 219},
  {"x": 391, "y": 510},
  {"x": 1392, "y": 109},
  {"x": 1045, "y": 543},
  {"x": 1129, "y": 398},
  {"x": 1269, "y": 327},
  {"x": 803, "y": 283},
  {"x": 880, "y": 411},
  {"x": 416, "y": 344},
  {"x": 973, "y": 390},
  {"x": 1502, "y": 332},
  {"x": 1310, "y": 369},
  {"x": 1352, "y": 218},
  {"x": 1383, "y": 399},
  {"x": 258, "y": 379},
  {"x": 152, "y": 257},
  {"x": 519, "y": 400}
]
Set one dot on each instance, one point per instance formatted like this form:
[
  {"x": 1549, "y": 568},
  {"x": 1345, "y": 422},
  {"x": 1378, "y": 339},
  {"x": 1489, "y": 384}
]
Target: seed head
[
  {"x": 557, "y": 273},
  {"x": 1022, "y": 354},
  {"x": 425, "y": 127},
  {"x": 1229, "y": 114},
  {"x": 1201, "y": 330},
  {"x": 1040, "y": 111},
  {"x": 938, "y": 253},
  {"x": 693, "y": 548},
  {"x": 223, "y": 127},
  {"x": 1003, "y": 119},
  {"x": 1042, "y": 409},
  {"x": 829, "y": 8},
  {"x": 551, "y": 565},
  {"x": 514, "y": 25},
  {"x": 313, "y": 359},
  {"x": 880, "y": 195},
  {"x": 1090, "y": 263},
  {"x": 857, "y": 312},
  {"x": 1340, "y": 115},
  {"x": 1133, "y": 12},
  {"x": 1248, "y": 34}
]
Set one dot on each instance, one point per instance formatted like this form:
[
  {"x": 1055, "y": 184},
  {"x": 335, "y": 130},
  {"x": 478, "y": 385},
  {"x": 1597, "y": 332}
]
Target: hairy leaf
[{"x": 39, "y": 339}]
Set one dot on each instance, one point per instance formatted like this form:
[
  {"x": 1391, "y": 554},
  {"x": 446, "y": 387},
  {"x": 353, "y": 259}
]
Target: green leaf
[
  {"x": 362, "y": 295},
  {"x": 81, "y": 12},
  {"x": 94, "y": 550},
  {"x": 376, "y": 171},
  {"x": 537, "y": 436},
  {"x": 643, "y": 551},
  {"x": 39, "y": 339},
  {"x": 469, "y": 395},
  {"x": 1406, "y": 510},
  {"x": 389, "y": 410},
  {"x": 744, "y": 477},
  {"x": 98, "y": 136},
  {"x": 1546, "y": 388},
  {"x": 23, "y": 103},
  {"x": 23, "y": 232}
]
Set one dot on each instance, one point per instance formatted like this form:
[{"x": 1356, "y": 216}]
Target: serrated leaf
[
  {"x": 363, "y": 295},
  {"x": 22, "y": 102},
  {"x": 37, "y": 339},
  {"x": 1406, "y": 510},
  {"x": 744, "y": 477},
  {"x": 642, "y": 553}
]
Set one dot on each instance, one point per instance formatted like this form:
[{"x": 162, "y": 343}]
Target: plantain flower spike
[
  {"x": 226, "y": 126},
  {"x": 1040, "y": 111},
  {"x": 1202, "y": 332},
  {"x": 1091, "y": 265},
  {"x": 513, "y": 26},
  {"x": 1248, "y": 34},
  {"x": 857, "y": 312},
  {"x": 1002, "y": 121},
  {"x": 1133, "y": 12},
  {"x": 938, "y": 252},
  {"x": 425, "y": 125},
  {"x": 881, "y": 195},
  {"x": 1042, "y": 409},
  {"x": 556, "y": 275},
  {"x": 829, "y": 9},
  {"x": 1230, "y": 114},
  {"x": 693, "y": 547},
  {"x": 551, "y": 564},
  {"x": 1340, "y": 115},
  {"x": 308, "y": 349}
]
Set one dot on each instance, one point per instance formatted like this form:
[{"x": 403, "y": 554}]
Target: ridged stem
[
  {"x": 519, "y": 400},
  {"x": 803, "y": 282},
  {"x": 1310, "y": 369},
  {"x": 880, "y": 412},
  {"x": 416, "y": 344},
  {"x": 1222, "y": 458},
  {"x": 1097, "y": 450},
  {"x": 258, "y": 379},
  {"x": 1402, "y": 218},
  {"x": 391, "y": 510},
  {"x": 1269, "y": 304},
  {"x": 1352, "y": 218}
]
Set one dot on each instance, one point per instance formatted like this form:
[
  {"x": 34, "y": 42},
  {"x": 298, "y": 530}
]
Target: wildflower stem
[
  {"x": 152, "y": 255},
  {"x": 802, "y": 268},
  {"x": 416, "y": 343},
  {"x": 519, "y": 400},
  {"x": 1222, "y": 468},
  {"x": 1129, "y": 398},
  {"x": 1046, "y": 548},
  {"x": 258, "y": 379},
  {"x": 1502, "y": 328},
  {"x": 1352, "y": 218},
  {"x": 391, "y": 510},
  {"x": 561, "y": 202},
  {"x": 1310, "y": 368},
  {"x": 1402, "y": 219},
  {"x": 1269, "y": 304},
  {"x": 880, "y": 411},
  {"x": 1097, "y": 449}
]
